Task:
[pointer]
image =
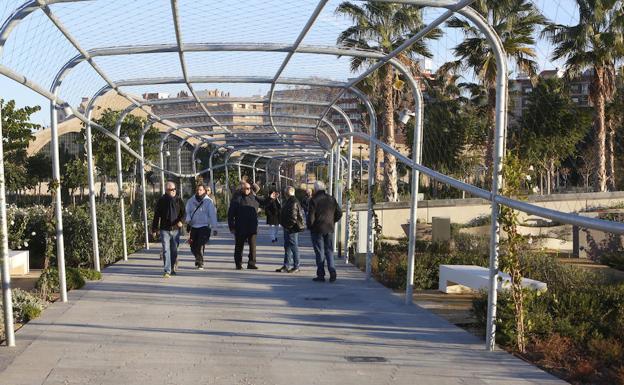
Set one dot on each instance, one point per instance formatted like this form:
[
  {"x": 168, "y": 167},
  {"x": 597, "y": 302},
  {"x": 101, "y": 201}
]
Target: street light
[{"x": 405, "y": 116}]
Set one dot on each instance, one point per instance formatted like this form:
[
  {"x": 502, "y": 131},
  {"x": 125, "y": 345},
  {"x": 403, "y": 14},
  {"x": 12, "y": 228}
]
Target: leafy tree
[
  {"x": 17, "y": 132},
  {"x": 104, "y": 149},
  {"x": 75, "y": 177},
  {"x": 515, "y": 22},
  {"x": 39, "y": 169},
  {"x": 550, "y": 128},
  {"x": 595, "y": 43},
  {"x": 383, "y": 27}
]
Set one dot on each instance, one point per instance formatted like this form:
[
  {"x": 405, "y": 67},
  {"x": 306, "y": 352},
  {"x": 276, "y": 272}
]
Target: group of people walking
[{"x": 318, "y": 212}]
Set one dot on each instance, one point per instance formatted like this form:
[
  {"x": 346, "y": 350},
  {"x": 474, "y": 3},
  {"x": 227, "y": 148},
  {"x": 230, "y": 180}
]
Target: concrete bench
[
  {"x": 19, "y": 263},
  {"x": 461, "y": 278}
]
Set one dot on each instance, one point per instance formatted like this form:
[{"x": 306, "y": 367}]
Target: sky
[{"x": 208, "y": 24}]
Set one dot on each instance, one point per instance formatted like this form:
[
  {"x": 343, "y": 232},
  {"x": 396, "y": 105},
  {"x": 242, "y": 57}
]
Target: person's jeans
[
  {"x": 273, "y": 229},
  {"x": 170, "y": 240},
  {"x": 291, "y": 249},
  {"x": 240, "y": 244},
  {"x": 324, "y": 251}
]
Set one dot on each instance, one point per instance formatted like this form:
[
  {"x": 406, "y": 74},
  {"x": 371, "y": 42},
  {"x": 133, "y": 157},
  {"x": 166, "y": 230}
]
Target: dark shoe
[
  {"x": 294, "y": 270},
  {"x": 319, "y": 279},
  {"x": 282, "y": 269},
  {"x": 173, "y": 272},
  {"x": 332, "y": 277},
  {"x": 252, "y": 267},
  {"x": 239, "y": 267}
]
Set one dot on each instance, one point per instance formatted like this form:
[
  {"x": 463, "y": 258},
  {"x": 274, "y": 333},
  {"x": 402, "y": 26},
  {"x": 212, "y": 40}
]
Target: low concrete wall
[{"x": 393, "y": 215}]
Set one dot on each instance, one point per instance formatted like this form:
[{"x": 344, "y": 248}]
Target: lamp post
[{"x": 360, "y": 147}]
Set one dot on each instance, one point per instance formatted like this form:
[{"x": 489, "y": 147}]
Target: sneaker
[
  {"x": 332, "y": 277},
  {"x": 282, "y": 269},
  {"x": 166, "y": 275},
  {"x": 252, "y": 267},
  {"x": 294, "y": 270},
  {"x": 200, "y": 268},
  {"x": 239, "y": 267},
  {"x": 319, "y": 279}
]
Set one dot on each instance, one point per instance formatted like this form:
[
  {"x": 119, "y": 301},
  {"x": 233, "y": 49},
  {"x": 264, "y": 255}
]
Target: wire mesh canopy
[{"x": 257, "y": 77}]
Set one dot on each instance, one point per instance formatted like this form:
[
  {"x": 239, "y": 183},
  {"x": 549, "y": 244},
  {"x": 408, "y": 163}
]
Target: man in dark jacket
[
  {"x": 272, "y": 209},
  {"x": 243, "y": 223},
  {"x": 168, "y": 216},
  {"x": 291, "y": 219},
  {"x": 323, "y": 212}
]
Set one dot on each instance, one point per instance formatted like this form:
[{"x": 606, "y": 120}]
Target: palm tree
[
  {"x": 383, "y": 27},
  {"x": 515, "y": 22},
  {"x": 595, "y": 43}
]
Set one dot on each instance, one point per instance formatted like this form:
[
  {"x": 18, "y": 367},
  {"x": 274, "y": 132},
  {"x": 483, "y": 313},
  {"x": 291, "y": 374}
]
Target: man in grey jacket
[{"x": 201, "y": 216}]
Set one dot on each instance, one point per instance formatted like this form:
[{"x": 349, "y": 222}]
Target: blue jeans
[
  {"x": 291, "y": 249},
  {"x": 170, "y": 241},
  {"x": 324, "y": 251}
]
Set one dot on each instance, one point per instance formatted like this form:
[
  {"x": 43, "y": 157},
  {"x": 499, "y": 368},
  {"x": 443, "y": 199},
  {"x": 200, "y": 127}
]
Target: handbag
[{"x": 188, "y": 226}]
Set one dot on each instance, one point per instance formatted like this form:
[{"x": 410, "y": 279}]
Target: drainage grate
[
  {"x": 366, "y": 359},
  {"x": 316, "y": 298}
]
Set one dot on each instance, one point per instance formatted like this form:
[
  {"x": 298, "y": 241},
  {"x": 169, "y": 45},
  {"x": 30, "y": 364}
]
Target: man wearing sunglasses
[
  {"x": 168, "y": 216},
  {"x": 243, "y": 223}
]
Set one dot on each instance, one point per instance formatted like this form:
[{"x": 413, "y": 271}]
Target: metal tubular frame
[
  {"x": 122, "y": 208},
  {"x": 7, "y": 298},
  {"x": 460, "y": 6}
]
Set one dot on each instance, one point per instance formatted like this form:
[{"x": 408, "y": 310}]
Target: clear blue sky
[{"x": 212, "y": 24}]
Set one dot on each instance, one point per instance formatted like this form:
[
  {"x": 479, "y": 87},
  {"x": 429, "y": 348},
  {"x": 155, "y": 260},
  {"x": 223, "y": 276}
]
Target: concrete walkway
[{"x": 221, "y": 326}]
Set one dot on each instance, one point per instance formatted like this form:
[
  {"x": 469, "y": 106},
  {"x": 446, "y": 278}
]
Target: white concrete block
[
  {"x": 19, "y": 262},
  {"x": 469, "y": 277}
]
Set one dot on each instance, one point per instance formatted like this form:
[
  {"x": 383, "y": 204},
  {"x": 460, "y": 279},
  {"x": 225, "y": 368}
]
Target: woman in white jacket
[{"x": 201, "y": 217}]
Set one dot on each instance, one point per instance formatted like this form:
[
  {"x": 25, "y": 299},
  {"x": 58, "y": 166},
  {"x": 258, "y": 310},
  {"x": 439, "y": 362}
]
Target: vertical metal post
[
  {"x": 337, "y": 195},
  {"x": 227, "y": 179},
  {"x": 92, "y": 205},
  {"x": 212, "y": 180},
  {"x": 240, "y": 174},
  {"x": 416, "y": 157},
  {"x": 279, "y": 176},
  {"x": 498, "y": 154},
  {"x": 253, "y": 169},
  {"x": 330, "y": 170},
  {"x": 347, "y": 238},
  {"x": 146, "y": 229},
  {"x": 7, "y": 297},
  {"x": 120, "y": 194},
  {"x": 194, "y": 159},
  {"x": 162, "y": 164},
  {"x": 371, "y": 177},
  {"x": 58, "y": 204},
  {"x": 181, "y": 192}
]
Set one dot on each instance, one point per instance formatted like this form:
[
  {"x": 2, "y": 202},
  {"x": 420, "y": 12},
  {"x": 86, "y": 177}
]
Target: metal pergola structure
[{"x": 280, "y": 138}]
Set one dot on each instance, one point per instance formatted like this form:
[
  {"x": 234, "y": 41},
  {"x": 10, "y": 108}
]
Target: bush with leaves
[
  {"x": 48, "y": 282},
  {"x": 26, "y": 306}
]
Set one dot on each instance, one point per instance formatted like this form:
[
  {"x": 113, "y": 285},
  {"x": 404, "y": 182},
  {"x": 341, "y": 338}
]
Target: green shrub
[
  {"x": 30, "y": 224},
  {"x": 49, "y": 280},
  {"x": 26, "y": 306},
  {"x": 90, "y": 274}
]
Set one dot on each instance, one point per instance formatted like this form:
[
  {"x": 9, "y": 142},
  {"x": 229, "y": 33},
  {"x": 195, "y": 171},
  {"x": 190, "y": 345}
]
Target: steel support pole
[
  {"x": 146, "y": 229},
  {"x": 194, "y": 159},
  {"x": 92, "y": 205},
  {"x": 337, "y": 195},
  {"x": 371, "y": 178},
  {"x": 161, "y": 158},
  {"x": 179, "y": 153},
  {"x": 7, "y": 295},
  {"x": 279, "y": 176},
  {"x": 238, "y": 167},
  {"x": 121, "y": 194},
  {"x": 330, "y": 170},
  {"x": 212, "y": 180},
  {"x": 227, "y": 179},
  {"x": 253, "y": 169},
  {"x": 416, "y": 156}
]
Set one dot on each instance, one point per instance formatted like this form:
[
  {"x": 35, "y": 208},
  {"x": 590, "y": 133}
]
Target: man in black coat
[
  {"x": 272, "y": 209},
  {"x": 168, "y": 216},
  {"x": 291, "y": 219},
  {"x": 323, "y": 212},
  {"x": 243, "y": 223}
]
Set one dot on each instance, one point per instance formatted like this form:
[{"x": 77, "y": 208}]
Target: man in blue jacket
[{"x": 201, "y": 217}]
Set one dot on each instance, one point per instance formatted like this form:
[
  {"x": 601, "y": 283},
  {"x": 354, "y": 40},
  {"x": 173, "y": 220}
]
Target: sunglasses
[{"x": 171, "y": 189}]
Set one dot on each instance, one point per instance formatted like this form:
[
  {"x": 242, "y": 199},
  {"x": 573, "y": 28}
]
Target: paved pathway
[{"x": 221, "y": 326}]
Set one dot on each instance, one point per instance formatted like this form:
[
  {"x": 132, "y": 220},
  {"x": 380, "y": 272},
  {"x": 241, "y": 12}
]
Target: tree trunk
[
  {"x": 611, "y": 156},
  {"x": 378, "y": 169},
  {"x": 390, "y": 171},
  {"x": 600, "y": 127}
]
